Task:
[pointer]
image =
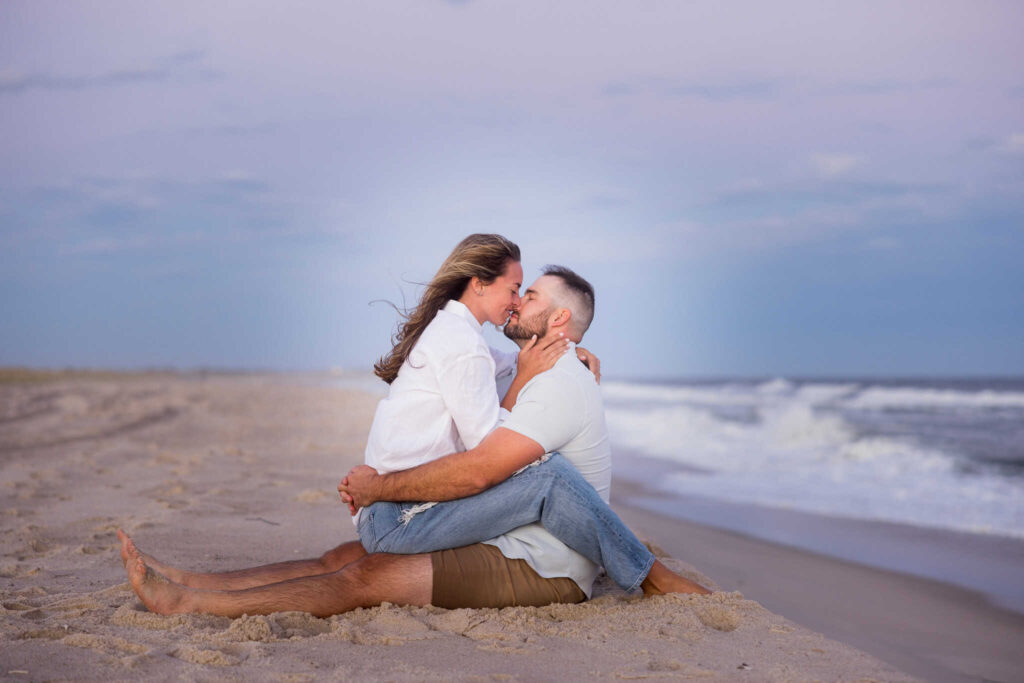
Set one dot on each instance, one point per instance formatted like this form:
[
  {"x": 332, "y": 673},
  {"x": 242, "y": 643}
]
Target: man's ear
[{"x": 560, "y": 317}]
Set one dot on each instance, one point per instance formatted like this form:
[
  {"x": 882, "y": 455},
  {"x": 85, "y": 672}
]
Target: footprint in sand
[
  {"x": 251, "y": 628},
  {"x": 720, "y": 618},
  {"x": 301, "y": 625},
  {"x": 311, "y": 496},
  {"x": 196, "y": 655},
  {"x": 105, "y": 644}
]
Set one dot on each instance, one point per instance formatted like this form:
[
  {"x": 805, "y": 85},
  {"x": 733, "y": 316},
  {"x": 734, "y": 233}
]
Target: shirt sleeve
[
  {"x": 549, "y": 410},
  {"x": 505, "y": 362},
  {"x": 466, "y": 383}
]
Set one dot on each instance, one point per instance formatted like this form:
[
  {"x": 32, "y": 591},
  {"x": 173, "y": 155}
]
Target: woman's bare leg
[
  {"x": 400, "y": 579},
  {"x": 331, "y": 561}
]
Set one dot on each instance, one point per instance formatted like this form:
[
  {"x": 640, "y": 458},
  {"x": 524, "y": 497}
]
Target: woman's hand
[
  {"x": 537, "y": 357},
  {"x": 592, "y": 362},
  {"x": 534, "y": 358}
]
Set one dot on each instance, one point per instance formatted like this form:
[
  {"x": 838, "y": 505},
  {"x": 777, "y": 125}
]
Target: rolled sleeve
[
  {"x": 466, "y": 382},
  {"x": 505, "y": 362}
]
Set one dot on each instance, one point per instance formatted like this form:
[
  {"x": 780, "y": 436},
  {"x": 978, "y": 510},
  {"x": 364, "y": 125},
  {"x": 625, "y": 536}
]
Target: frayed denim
[{"x": 553, "y": 493}]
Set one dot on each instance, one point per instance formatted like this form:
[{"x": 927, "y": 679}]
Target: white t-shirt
[
  {"x": 443, "y": 399},
  {"x": 562, "y": 410}
]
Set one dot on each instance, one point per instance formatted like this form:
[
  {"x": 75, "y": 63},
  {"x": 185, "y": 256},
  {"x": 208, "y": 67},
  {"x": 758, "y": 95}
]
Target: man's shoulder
[{"x": 563, "y": 382}]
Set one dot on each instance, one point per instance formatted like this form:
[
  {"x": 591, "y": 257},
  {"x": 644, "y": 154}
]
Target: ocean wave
[
  {"x": 720, "y": 394},
  {"x": 802, "y": 453},
  {"x": 849, "y": 395},
  {"x": 915, "y": 397}
]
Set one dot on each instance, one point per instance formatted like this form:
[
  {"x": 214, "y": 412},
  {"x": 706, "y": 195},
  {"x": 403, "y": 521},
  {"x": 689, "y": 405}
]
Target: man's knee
[
  {"x": 336, "y": 558},
  {"x": 401, "y": 579}
]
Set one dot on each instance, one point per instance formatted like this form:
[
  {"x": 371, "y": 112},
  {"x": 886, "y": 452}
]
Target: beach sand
[{"x": 216, "y": 472}]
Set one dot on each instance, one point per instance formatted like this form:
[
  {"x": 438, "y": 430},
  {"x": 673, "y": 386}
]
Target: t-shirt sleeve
[
  {"x": 466, "y": 383},
  {"x": 549, "y": 410}
]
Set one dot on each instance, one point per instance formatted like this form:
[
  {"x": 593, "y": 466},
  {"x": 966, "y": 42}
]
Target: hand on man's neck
[{"x": 551, "y": 335}]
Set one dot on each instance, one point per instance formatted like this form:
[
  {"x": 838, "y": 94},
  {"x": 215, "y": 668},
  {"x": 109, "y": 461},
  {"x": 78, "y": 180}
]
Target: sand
[{"x": 215, "y": 472}]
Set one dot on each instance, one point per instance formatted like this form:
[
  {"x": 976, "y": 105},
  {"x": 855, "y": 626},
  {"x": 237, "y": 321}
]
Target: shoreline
[
  {"x": 928, "y": 628},
  {"x": 989, "y": 564}
]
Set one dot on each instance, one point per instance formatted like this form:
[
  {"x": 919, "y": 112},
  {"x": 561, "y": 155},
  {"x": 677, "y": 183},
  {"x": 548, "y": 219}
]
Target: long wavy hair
[{"x": 482, "y": 256}]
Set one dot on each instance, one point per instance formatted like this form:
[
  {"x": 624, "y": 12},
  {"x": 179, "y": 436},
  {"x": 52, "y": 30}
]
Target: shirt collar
[
  {"x": 570, "y": 350},
  {"x": 460, "y": 309}
]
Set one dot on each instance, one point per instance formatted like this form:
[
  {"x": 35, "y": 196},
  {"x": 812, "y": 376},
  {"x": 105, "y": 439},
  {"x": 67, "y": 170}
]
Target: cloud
[
  {"x": 834, "y": 165},
  {"x": 1012, "y": 144},
  {"x": 107, "y": 215},
  {"x": 752, "y": 89},
  {"x": 821, "y": 192},
  {"x": 767, "y": 215},
  {"x": 883, "y": 243},
  {"x": 164, "y": 69},
  {"x": 882, "y": 87},
  {"x": 12, "y": 82},
  {"x": 766, "y": 88}
]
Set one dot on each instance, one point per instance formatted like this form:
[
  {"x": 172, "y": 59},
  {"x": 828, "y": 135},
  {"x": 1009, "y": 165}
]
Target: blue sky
[{"x": 754, "y": 189}]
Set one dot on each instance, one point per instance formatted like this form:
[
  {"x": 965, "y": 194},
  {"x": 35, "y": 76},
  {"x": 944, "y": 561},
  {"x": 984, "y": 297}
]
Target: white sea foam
[
  {"x": 800, "y": 452},
  {"x": 723, "y": 394},
  {"x": 914, "y": 397}
]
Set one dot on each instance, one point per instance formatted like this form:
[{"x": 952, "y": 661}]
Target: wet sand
[
  {"x": 216, "y": 472},
  {"x": 931, "y": 629}
]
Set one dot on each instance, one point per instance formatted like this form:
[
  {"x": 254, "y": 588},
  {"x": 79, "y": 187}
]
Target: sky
[{"x": 754, "y": 189}]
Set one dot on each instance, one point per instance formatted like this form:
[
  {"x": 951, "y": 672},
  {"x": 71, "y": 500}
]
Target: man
[{"x": 560, "y": 409}]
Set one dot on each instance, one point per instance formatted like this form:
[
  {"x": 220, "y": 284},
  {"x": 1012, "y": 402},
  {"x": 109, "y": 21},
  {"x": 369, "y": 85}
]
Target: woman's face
[{"x": 501, "y": 297}]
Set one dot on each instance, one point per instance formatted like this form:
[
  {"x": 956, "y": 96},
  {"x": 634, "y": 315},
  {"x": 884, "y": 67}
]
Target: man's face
[{"x": 531, "y": 318}]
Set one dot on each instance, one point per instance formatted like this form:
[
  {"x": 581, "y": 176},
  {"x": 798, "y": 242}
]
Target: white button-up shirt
[{"x": 444, "y": 398}]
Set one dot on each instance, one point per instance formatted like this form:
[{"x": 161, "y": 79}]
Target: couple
[{"x": 540, "y": 455}]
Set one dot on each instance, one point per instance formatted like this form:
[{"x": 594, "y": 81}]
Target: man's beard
[{"x": 524, "y": 329}]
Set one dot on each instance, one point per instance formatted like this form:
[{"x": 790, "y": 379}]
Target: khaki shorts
[{"x": 480, "y": 576}]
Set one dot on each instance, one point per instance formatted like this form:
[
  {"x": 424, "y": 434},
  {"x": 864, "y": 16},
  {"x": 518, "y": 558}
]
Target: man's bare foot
[
  {"x": 661, "y": 580},
  {"x": 157, "y": 593},
  {"x": 129, "y": 549}
]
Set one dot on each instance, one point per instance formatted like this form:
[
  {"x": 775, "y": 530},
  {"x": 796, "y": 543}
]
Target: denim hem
[{"x": 643, "y": 574}]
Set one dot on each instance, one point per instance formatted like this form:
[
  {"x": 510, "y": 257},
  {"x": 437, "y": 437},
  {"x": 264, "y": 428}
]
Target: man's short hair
[{"x": 577, "y": 295}]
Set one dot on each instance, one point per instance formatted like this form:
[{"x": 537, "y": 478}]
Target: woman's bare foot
[
  {"x": 129, "y": 549},
  {"x": 157, "y": 593},
  {"x": 661, "y": 580}
]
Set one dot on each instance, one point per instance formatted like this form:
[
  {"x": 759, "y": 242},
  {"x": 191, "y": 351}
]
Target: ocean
[{"x": 919, "y": 476}]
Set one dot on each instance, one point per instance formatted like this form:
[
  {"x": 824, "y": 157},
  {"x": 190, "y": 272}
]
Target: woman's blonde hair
[{"x": 482, "y": 256}]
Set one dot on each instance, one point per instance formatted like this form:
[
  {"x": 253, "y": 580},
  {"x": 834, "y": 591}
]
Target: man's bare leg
[
  {"x": 662, "y": 580},
  {"x": 400, "y": 579},
  {"x": 331, "y": 561}
]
